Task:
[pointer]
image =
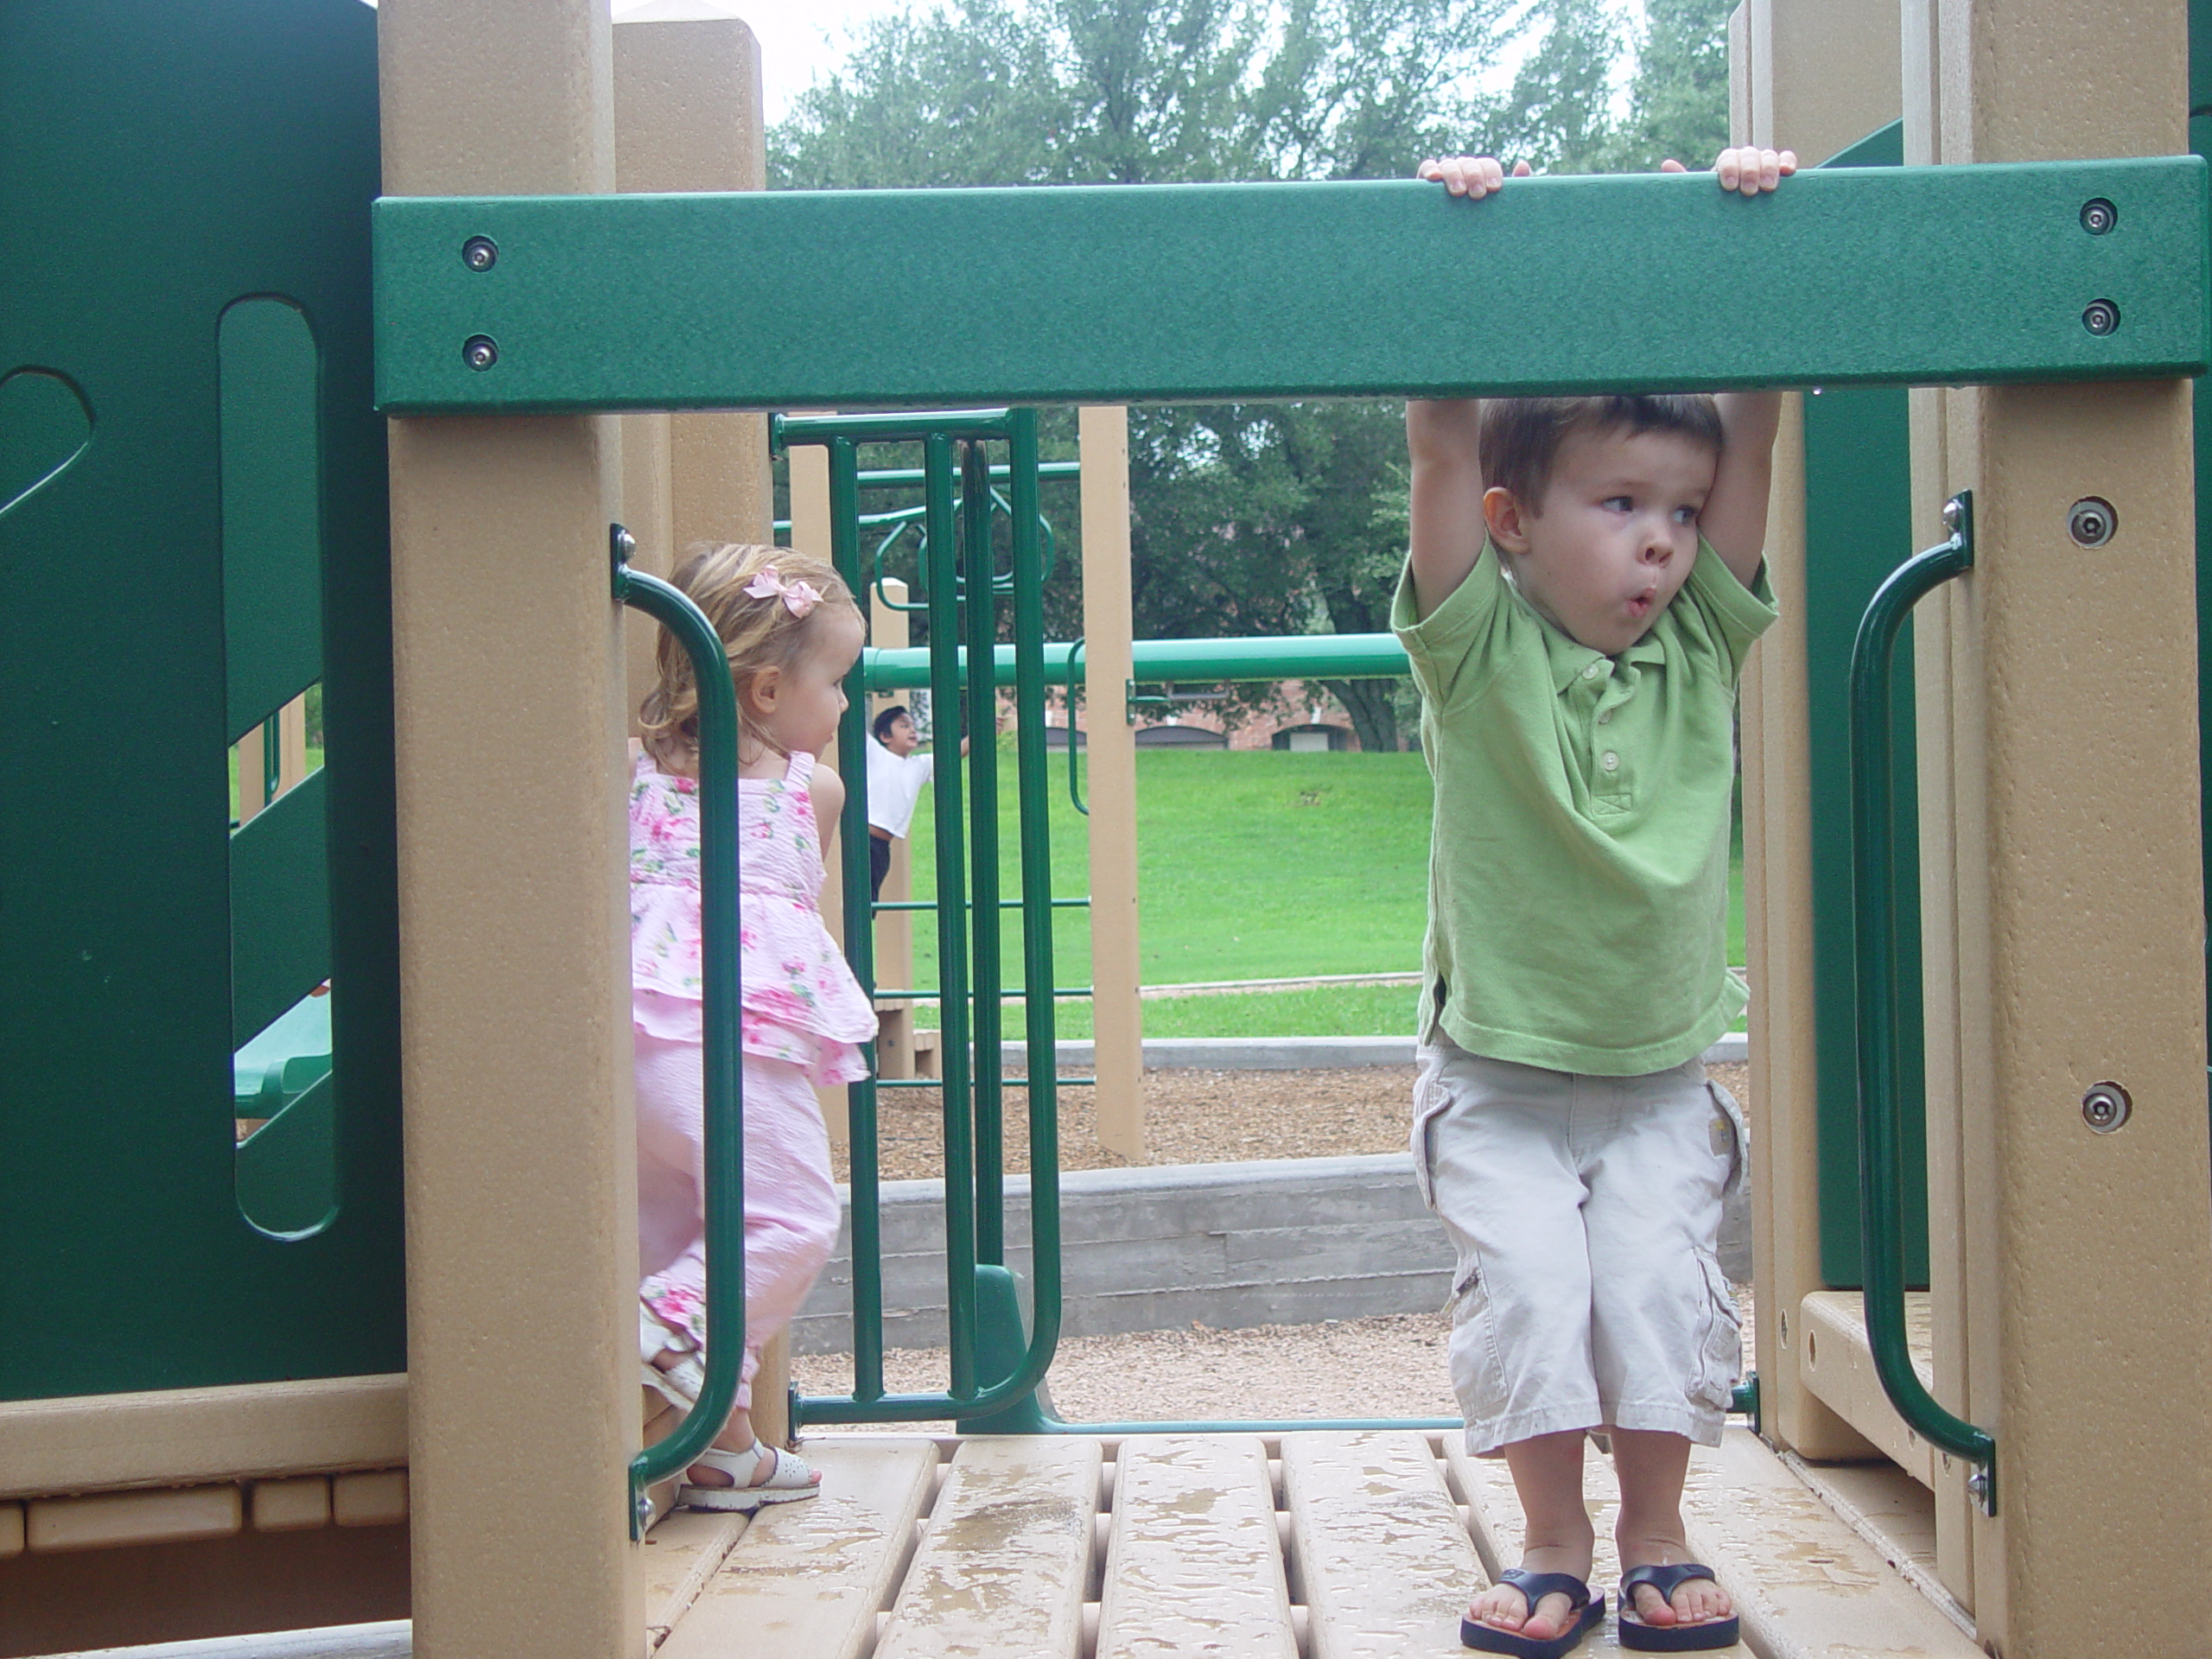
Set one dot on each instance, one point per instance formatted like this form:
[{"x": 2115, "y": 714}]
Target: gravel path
[{"x": 1390, "y": 1366}]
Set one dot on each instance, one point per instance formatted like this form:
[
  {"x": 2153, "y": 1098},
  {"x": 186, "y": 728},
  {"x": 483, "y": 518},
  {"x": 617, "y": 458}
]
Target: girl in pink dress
[{"x": 793, "y": 634}]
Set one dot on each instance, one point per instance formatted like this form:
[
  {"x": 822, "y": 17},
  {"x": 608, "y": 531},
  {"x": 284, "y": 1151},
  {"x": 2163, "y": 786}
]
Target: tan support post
[
  {"x": 894, "y": 929},
  {"x": 2061, "y": 887},
  {"x": 687, "y": 117},
  {"x": 292, "y": 743},
  {"x": 1815, "y": 76},
  {"x": 1117, "y": 1015},
  {"x": 521, "y": 1185},
  {"x": 252, "y": 764}
]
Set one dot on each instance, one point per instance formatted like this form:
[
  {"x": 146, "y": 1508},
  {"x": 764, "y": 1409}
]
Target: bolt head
[
  {"x": 1952, "y": 516},
  {"x": 2105, "y": 1107},
  {"x": 2101, "y": 317},
  {"x": 479, "y": 253},
  {"x": 2098, "y": 216},
  {"x": 2091, "y": 521},
  {"x": 480, "y": 351}
]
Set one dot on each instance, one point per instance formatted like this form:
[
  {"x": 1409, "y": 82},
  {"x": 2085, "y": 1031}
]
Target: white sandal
[
  {"x": 789, "y": 1479},
  {"x": 681, "y": 1383}
]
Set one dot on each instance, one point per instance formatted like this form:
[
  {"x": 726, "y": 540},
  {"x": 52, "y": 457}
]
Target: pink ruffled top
[{"x": 801, "y": 1002}]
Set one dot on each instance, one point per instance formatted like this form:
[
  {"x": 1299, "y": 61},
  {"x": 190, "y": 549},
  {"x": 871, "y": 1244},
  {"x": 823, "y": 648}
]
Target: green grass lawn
[{"x": 1251, "y": 865}]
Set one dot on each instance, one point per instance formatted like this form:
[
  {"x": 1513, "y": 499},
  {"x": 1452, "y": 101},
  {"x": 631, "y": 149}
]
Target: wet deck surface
[{"x": 1309, "y": 1545}]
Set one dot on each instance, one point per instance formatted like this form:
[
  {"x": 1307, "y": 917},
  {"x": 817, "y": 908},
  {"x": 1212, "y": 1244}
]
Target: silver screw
[
  {"x": 2091, "y": 521},
  {"x": 2101, "y": 317},
  {"x": 2105, "y": 1107},
  {"x": 1978, "y": 1487},
  {"x": 480, "y": 351},
  {"x": 1951, "y": 514},
  {"x": 2098, "y": 216},
  {"x": 479, "y": 253}
]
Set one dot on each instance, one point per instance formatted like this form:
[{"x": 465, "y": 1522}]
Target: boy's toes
[{"x": 1696, "y": 1601}]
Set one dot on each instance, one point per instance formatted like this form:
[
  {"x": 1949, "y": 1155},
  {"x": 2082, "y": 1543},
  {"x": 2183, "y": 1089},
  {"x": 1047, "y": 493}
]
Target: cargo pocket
[
  {"x": 1430, "y": 1098},
  {"x": 1728, "y": 1126},
  {"x": 1721, "y": 1351},
  {"x": 1478, "y": 1371}
]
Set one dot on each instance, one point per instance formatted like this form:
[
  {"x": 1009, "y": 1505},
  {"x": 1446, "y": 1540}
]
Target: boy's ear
[{"x": 1505, "y": 519}]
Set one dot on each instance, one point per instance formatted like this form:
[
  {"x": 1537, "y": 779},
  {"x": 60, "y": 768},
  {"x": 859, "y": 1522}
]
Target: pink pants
[{"x": 790, "y": 1206}]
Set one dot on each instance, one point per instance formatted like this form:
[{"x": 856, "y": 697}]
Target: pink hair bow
[{"x": 799, "y": 597}]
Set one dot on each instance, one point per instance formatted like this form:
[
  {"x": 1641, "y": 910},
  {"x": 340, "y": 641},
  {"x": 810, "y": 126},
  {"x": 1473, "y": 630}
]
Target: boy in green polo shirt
[{"x": 1584, "y": 582}]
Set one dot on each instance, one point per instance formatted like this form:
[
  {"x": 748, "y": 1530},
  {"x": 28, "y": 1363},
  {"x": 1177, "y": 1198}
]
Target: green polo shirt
[{"x": 1578, "y": 872}]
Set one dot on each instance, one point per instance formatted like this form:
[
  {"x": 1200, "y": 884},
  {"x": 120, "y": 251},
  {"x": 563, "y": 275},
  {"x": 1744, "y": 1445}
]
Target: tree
[
  {"x": 1678, "y": 99},
  {"x": 1246, "y": 518}
]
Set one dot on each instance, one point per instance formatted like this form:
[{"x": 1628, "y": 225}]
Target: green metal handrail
[
  {"x": 723, "y": 1158},
  {"x": 1307, "y": 656},
  {"x": 1880, "y": 1174}
]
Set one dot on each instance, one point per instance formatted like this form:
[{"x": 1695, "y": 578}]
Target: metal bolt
[
  {"x": 2101, "y": 317},
  {"x": 480, "y": 351},
  {"x": 626, "y": 545},
  {"x": 1978, "y": 1487},
  {"x": 2091, "y": 521},
  {"x": 482, "y": 253},
  {"x": 1951, "y": 514},
  {"x": 2105, "y": 1107},
  {"x": 2098, "y": 216}
]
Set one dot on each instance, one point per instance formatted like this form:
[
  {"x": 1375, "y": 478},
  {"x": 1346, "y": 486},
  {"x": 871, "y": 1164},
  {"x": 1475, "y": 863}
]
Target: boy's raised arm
[
  {"x": 1444, "y": 507},
  {"x": 1734, "y": 517}
]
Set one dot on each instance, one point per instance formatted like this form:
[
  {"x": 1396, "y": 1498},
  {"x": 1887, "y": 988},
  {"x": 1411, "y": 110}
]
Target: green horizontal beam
[
  {"x": 1304, "y": 655},
  {"x": 881, "y": 299}
]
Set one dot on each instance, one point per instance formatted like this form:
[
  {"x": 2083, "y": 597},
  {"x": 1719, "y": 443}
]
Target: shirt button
[
  {"x": 1604, "y": 714},
  {"x": 1593, "y": 671},
  {"x": 1610, "y": 762}
]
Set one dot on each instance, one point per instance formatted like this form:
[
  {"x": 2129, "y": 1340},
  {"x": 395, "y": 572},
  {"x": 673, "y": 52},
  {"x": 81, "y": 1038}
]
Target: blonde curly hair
[{"x": 757, "y": 632}]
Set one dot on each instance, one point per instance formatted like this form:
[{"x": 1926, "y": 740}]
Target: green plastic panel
[
  {"x": 288, "y": 1168},
  {"x": 280, "y": 907},
  {"x": 162, "y": 161},
  {"x": 272, "y": 549},
  {"x": 1858, "y": 529},
  {"x": 1176, "y": 292}
]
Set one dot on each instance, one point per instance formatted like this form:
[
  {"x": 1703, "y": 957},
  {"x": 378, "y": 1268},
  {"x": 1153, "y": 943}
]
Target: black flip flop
[
  {"x": 1588, "y": 1609},
  {"x": 1671, "y": 1639}
]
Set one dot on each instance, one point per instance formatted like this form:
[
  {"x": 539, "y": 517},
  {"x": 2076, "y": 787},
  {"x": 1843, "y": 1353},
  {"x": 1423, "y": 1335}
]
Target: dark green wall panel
[{"x": 160, "y": 160}]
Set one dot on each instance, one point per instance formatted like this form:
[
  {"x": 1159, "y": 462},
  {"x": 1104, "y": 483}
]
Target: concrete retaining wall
[{"x": 1290, "y": 1241}]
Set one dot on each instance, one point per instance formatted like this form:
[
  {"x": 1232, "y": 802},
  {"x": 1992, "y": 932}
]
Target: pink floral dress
[{"x": 801, "y": 1003}]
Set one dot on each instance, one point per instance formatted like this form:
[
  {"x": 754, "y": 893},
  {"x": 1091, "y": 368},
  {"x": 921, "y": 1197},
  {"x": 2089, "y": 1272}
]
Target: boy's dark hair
[
  {"x": 896, "y": 711},
  {"x": 1521, "y": 436}
]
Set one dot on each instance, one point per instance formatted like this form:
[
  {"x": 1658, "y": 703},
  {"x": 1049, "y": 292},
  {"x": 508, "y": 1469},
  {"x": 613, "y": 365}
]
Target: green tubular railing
[
  {"x": 993, "y": 1370},
  {"x": 719, "y": 994},
  {"x": 1337, "y": 656},
  {"x": 1880, "y": 1176}
]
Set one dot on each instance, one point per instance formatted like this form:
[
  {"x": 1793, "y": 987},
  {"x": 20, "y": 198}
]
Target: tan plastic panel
[
  {"x": 683, "y": 1552},
  {"x": 11, "y": 1530},
  {"x": 509, "y": 703},
  {"x": 1004, "y": 1565},
  {"x": 1381, "y": 1552},
  {"x": 179, "y": 1436},
  {"x": 107, "y": 1520},
  {"x": 1837, "y": 1366},
  {"x": 2065, "y": 681},
  {"x": 374, "y": 1499},
  {"x": 297, "y": 1505},
  {"x": 1195, "y": 1563},
  {"x": 807, "y": 1579},
  {"x": 1816, "y": 75}
]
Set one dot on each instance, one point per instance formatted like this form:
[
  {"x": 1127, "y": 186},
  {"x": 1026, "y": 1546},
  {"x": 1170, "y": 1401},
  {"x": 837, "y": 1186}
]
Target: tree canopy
[{"x": 1255, "y": 519}]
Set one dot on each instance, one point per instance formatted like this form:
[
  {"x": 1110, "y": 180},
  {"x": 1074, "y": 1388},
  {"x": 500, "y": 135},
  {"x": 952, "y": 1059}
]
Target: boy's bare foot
[
  {"x": 1695, "y": 1601},
  {"x": 1503, "y": 1607}
]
